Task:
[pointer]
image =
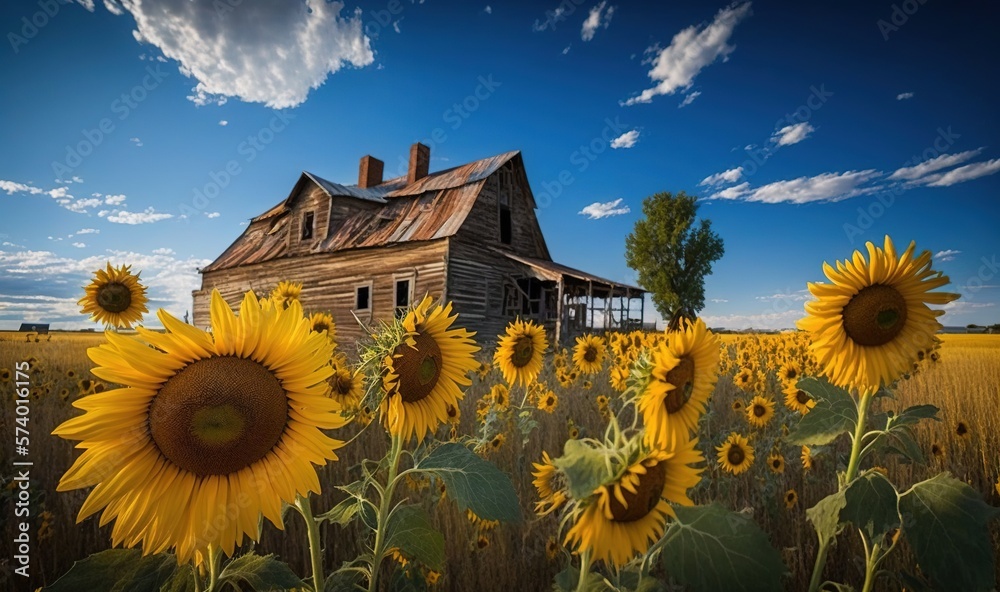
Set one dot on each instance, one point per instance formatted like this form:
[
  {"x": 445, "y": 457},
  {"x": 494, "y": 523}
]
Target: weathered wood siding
[
  {"x": 329, "y": 280},
  {"x": 310, "y": 199}
]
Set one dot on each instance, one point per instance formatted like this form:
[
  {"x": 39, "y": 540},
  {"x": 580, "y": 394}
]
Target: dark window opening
[
  {"x": 307, "y": 225},
  {"x": 505, "y": 225},
  {"x": 402, "y": 297},
  {"x": 362, "y": 297}
]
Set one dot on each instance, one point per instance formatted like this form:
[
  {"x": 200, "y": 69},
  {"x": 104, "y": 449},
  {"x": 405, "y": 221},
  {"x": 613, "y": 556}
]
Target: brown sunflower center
[
  {"x": 961, "y": 430},
  {"x": 320, "y": 327},
  {"x": 342, "y": 383},
  {"x": 875, "y": 315},
  {"x": 759, "y": 410},
  {"x": 114, "y": 297},
  {"x": 776, "y": 463},
  {"x": 735, "y": 455},
  {"x": 802, "y": 397},
  {"x": 646, "y": 497},
  {"x": 524, "y": 351},
  {"x": 218, "y": 415},
  {"x": 682, "y": 377},
  {"x": 590, "y": 354},
  {"x": 418, "y": 368}
]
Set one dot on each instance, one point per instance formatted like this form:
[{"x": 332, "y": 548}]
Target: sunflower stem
[
  {"x": 817, "y": 575},
  {"x": 383, "y": 512},
  {"x": 213, "y": 567},
  {"x": 304, "y": 506},
  {"x": 871, "y": 566},
  {"x": 581, "y": 583},
  {"x": 197, "y": 578}
]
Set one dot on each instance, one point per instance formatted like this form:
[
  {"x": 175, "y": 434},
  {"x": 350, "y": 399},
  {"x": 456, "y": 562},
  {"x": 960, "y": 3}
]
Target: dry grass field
[{"x": 964, "y": 383}]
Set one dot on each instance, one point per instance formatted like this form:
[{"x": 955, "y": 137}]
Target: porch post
[{"x": 559, "y": 310}]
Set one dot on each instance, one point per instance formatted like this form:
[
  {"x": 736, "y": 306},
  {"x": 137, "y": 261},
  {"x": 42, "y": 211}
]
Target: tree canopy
[{"x": 672, "y": 254}]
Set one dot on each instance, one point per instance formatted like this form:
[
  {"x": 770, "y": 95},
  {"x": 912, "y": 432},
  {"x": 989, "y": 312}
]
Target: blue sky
[{"x": 806, "y": 132}]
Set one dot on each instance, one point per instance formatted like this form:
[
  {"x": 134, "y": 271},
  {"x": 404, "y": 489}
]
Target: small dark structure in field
[
  {"x": 35, "y": 329},
  {"x": 468, "y": 234}
]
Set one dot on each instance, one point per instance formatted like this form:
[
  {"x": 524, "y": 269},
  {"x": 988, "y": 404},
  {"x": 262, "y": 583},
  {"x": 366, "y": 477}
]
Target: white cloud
[
  {"x": 963, "y": 173},
  {"x": 597, "y": 17},
  {"x": 488, "y": 9},
  {"x": 12, "y": 187},
  {"x": 729, "y": 176},
  {"x": 599, "y": 210},
  {"x": 551, "y": 18},
  {"x": 792, "y": 134},
  {"x": 81, "y": 206},
  {"x": 146, "y": 217},
  {"x": 88, "y": 231},
  {"x": 257, "y": 51},
  {"x": 689, "y": 99},
  {"x": 823, "y": 187},
  {"x": 626, "y": 140},
  {"x": 718, "y": 300},
  {"x": 212, "y": 214},
  {"x": 690, "y": 51},
  {"x": 223, "y": 122},
  {"x": 566, "y": 49},
  {"x": 926, "y": 167},
  {"x": 79, "y": 245},
  {"x": 136, "y": 141},
  {"x": 163, "y": 251},
  {"x": 114, "y": 200},
  {"x": 946, "y": 255},
  {"x": 904, "y": 96},
  {"x": 768, "y": 320}
]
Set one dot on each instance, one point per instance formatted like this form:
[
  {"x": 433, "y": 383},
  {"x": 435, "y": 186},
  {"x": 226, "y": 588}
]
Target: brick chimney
[
  {"x": 420, "y": 160},
  {"x": 370, "y": 172}
]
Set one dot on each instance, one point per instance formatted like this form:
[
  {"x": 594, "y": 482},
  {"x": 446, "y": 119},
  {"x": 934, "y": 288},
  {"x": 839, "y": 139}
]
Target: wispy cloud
[
  {"x": 223, "y": 122},
  {"x": 962, "y": 174},
  {"x": 599, "y": 210},
  {"x": 819, "y": 188},
  {"x": 212, "y": 214},
  {"x": 946, "y": 255},
  {"x": 689, "y": 99},
  {"x": 136, "y": 141},
  {"x": 148, "y": 216},
  {"x": 937, "y": 163},
  {"x": 792, "y": 134},
  {"x": 626, "y": 140},
  {"x": 597, "y": 17},
  {"x": 718, "y": 300},
  {"x": 729, "y": 176},
  {"x": 691, "y": 50},
  {"x": 904, "y": 96}
]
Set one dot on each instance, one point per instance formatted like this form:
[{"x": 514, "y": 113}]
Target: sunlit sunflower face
[
  {"x": 798, "y": 400},
  {"x": 115, "y": 297},
  {"x": 776, "y": 463},
  {"x": 589, "y": 354},
  {"x": 870, "y": 323},
  {"x": 760, "y": 411},
  {"x": 322, "y": 322},
  {"x": 520, "y": 351},
  {"x": 735, "y": 455},
  {"x": 425, "y": 373},
  {"x": 204, "y": 419},
  {"x": 285, "y": 293},
  {"x": 548, "y": 401}
]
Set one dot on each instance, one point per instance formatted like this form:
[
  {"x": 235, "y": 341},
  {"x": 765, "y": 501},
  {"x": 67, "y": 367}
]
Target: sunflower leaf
[
  {"x": 825, "y": 515},
  {"x": 871, "y": 505},
  {"x": 342, "y": 514},
  {"x": 567, "y": 579},
  {"x": 913, "y": 415},
  {"x": 834, "y": 414},
  {"x": 711, "y": 548},
  {"x": 947, "y": 524},
  {"x": 260, "y": 572},
  {"x": 474, "y": 483},
  {"x": 585, "y": 468},
  {"x": 410, "y": 530},
  {"x": 119, "y": 569}
]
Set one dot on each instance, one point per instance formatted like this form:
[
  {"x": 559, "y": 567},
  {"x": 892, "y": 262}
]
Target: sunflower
[
  {"x": 962, "y": 430},
  {"x": 869, "y": 323},
  {"x": 454, "y": 414},
  {"x": 482, "y": 542},
  {"x": 497, "y": 442},
  {"x": 500, "y": 396},
  {"x": 791, "y": 498},
  {"x": 552, "y": 548},
  {"x": 629, "y": 513},
  {"x": 549, "y": 483},
  {"x": 589, "y": 353},
  {"x": 71, "y": 373},
  {"x": 737, "y": 405},
  {"x": 322, "y": 322},
  {"x": 685, "y": 368},
  {"x": 425, "y": 371},
  {"x": 744, "y": 379},
  {"x": 776, "y": 462},
  {"x": 760, "y": 411},
  {"x": 807, "y": 458},
  {"x": 790, "y": 372},
  {"x": 798, "y": 400},
  {"x": 285, "y": 293},
  {"x": 548, "y": 402},
  {"x": 735, "y": 455},
  {"x": 204, "y": 419},
  {"x": 519, "y": 352},
  {"x": 936, "y": 450},
  {"x": 619, "y": 378},
  {"x": 115, "y": 297},
  {"x": 345, "y": 386},
  {"x": 5, "y": 375}
]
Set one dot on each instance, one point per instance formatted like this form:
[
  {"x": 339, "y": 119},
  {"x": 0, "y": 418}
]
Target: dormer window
[{"x": 308, "y": 220}]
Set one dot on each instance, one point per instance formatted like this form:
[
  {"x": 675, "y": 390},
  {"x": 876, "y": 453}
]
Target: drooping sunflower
[
  {"x": 735, "y": 455},
  {"x": 630, "y": 513},
  {"x": 115, "y": 297},
  {"x": 346, "y": 386},
  {"x": 868, "y": 324},
  {"x": 285, "y": 293},
  {"x": 798, "y": 400},
  {"x": 760, "y": 411},
  {"x": 204, "y": 419},
  {"x": 322, "y": 322},
  {"x": 807, "y": 458},
  {"x": 550, "y": 485},
  {"x": 519, "y": 352},
  {"x": 776, "y": 462},
  {"x": 589, "y": 354},
  {"x": 424, "y": 373},
  {"x": 685, "y": 369}
]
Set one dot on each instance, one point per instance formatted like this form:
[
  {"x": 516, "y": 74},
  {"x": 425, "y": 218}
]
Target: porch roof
[{"x": 552, "y": 271}]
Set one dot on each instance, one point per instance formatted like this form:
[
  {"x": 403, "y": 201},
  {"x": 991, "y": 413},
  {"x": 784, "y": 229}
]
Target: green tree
[{"x": 672, "y": 254}]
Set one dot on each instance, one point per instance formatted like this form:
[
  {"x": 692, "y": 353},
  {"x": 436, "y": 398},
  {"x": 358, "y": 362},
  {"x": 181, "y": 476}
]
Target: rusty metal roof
[
  {"x": 433, "y": 207},
  {"x": 550, "y": 270}
]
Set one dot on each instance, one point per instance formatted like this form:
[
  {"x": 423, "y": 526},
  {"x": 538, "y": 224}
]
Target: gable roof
[{"x": 431, "y": 208}]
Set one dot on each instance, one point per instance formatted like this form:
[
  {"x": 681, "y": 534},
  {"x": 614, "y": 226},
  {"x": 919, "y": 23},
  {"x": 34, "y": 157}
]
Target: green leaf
[
  {"x": 900, "y": 440},
  {"x": 834, "y": 414},
  {"x": 342, "y": 513},
  {"x": 825, "y": 515},
  {"x": 410, "y": 529},
  {"x": 913, "y": 415},
  {"x": 947, "y": 524},
  {"x": 118, "y": 570},
  {"x": 342, "y": 581},
  {"x": 566, "y": 581},
  {"x": 709, "y": 548},
  {"x": 260, "y": 573},
  {"x": 871, "y": 505},
  {"x": 182, "y": 580},
  {"x": 585, "y": 468},
  {"x": 474, "y": 483}
]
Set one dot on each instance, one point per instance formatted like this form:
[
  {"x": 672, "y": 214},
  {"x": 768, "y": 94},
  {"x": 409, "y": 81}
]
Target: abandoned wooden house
[{"x": 468, "y": 235}]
